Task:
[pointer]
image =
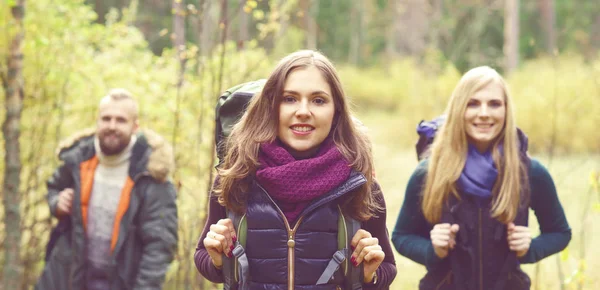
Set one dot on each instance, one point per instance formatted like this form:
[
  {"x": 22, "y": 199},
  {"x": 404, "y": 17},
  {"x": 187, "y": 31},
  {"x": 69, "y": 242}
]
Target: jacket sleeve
[
  {"x": 158, "y": 230},
  {"x": 377, "y": 227},
  {"x": 555, "y": 231},
  {"x": 201, "y": 257},
  {"x": 411, "y": 233},
  {"x": 61, "y": 179}
]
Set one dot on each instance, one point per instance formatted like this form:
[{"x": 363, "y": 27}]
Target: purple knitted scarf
[
  {"x": 479, "y": 174},
  {"x": 292, "y": 183}
]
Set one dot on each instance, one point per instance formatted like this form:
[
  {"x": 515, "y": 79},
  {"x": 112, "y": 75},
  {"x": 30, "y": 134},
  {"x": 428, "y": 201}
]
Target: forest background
[{"x": 398, "y": 59}]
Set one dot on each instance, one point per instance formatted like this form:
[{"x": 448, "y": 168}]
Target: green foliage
[
  {"x": 549, "y": 93},
  {"x": 292, "y": 40},
  {"x": 469, "y": 33},
  {"x": 70, "y": 62}
]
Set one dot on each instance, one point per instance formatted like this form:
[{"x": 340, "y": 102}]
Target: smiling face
[
  {"x": 485, "y": 116},
  {"x": 306, "y": 112},
  {"x": 116, "y": 124}
]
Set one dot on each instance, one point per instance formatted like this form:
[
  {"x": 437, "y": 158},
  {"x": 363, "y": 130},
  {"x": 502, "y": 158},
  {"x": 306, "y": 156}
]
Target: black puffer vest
[
  {"x": 294, "y": 256},
  {"x": 481, "y": 259}
]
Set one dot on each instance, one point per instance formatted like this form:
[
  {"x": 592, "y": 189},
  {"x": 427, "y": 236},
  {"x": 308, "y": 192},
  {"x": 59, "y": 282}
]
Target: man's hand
[{"x": 65, "y": 201}]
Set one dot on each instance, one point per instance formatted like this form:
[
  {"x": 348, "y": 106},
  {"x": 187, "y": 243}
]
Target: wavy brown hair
[
  {"x": 449, "y": 153},
  {"x": 259, "y": 125}
]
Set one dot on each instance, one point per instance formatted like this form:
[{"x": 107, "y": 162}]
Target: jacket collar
[{"x": 151, "y": 153}]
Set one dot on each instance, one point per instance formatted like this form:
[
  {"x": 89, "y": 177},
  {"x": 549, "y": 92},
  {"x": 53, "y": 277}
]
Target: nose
[
  {"x": 112, "y": 124},
  {"x": 484, "y": 111},
  {"x": 303, "y": 110}
]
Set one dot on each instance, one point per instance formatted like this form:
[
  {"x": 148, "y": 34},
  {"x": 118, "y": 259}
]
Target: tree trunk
[
  {"x": 511, "y": 35},
  {"x": 595, "y": 33},
  {"x": 354, "y": 34},
  {"x": 207, "y": 28},
  {"x": 547, "y": 21},
  {"x": 312, "y": 9},
  {"x": 100, "y": 8},
  {"x": 284, "y": 19},
  {"x": 434, "y": 34},
  {"x": 357, "y": 33},
  {"x": 243, "y": 32},
  {"x": 13, "y": 88},
  {"x": 412, "y": 23},
  {"x": 178, "y": 36},
  {"x": 390, "y": 45},
  {"x": 224, "y": 24}
]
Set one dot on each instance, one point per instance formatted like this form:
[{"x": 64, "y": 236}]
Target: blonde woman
[
  {"x": 296, "y": 163},
  {"x": 465, "y": 209}
]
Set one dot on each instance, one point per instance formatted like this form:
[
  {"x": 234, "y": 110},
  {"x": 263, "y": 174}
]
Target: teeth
[
  {"x": 483, "y": 125},
  {"x": 302, "y": 128}
]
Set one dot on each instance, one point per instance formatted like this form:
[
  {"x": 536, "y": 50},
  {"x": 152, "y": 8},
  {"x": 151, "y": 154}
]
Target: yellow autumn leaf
[
  {"x": 581, "y": 278},
  {"x": 594, "y": 179},
  {"x": 582, "y": 265},
  {"x": 570, "y": 278},
  {"x": 564, "y": 255},
  {"x": 258, "y": 14}
]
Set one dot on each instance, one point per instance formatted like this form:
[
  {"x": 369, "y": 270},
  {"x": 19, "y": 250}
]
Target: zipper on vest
[
  {"x": 291, "y": 243},
  {"x": 480, "y": 252},
  {"x": 447, "y": 280}
]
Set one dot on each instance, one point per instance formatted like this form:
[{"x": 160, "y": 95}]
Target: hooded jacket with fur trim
[{"x": 146, "y": 232}]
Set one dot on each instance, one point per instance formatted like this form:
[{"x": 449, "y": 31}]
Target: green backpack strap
[
  {"x": 347, "y": 227},
  {"x": 235, "y": 269},
  {"x": 354, "y": 275}
]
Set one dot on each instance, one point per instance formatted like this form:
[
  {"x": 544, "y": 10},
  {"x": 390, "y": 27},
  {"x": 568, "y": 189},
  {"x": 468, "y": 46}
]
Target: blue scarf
[{"x": 479, "y": 174}]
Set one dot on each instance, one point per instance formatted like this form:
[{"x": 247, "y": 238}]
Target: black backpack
[{"x": 230, "y": 107}]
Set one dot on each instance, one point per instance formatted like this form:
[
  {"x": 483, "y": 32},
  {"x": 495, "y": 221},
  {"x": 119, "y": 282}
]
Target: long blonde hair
[
  {"x": 259, "y": 125},
  {"x": 449, "y": 153}
]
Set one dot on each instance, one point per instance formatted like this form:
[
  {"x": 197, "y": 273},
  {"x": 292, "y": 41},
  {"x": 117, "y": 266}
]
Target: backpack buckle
[
  {"x": 339, "y": 257},
  {"x": 238, "y": 251}
]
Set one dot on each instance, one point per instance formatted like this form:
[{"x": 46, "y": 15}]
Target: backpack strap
[
  {"x": 459, "y": 275},
  {"x": 333, "y": 266},
  {"x": 237, "y": 279},
  {"x": 347, "y": 227},
  {"x": 354, "y": 275},
  {"x": 512, "y": 261}
]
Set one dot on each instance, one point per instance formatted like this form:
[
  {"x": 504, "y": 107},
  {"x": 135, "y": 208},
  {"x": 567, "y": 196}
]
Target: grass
[{"x": 395, "y": 163}]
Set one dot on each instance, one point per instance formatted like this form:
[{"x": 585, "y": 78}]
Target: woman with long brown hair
[
  {"x": 466, "y": 206},
  {"x": 296, "y": 165}
]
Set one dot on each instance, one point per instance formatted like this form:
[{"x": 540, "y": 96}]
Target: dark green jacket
[{"x": 147, "y": 236}]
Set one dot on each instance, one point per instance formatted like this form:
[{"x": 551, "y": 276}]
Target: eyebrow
[
  {"x": 312, "y": 94},
  {"x": 492, "y": 100}
]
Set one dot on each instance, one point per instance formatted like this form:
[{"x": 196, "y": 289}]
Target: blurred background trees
[{"x": 399, "y": 61}]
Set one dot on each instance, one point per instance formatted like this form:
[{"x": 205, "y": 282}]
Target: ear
[{"x": 136, "y": 125}]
